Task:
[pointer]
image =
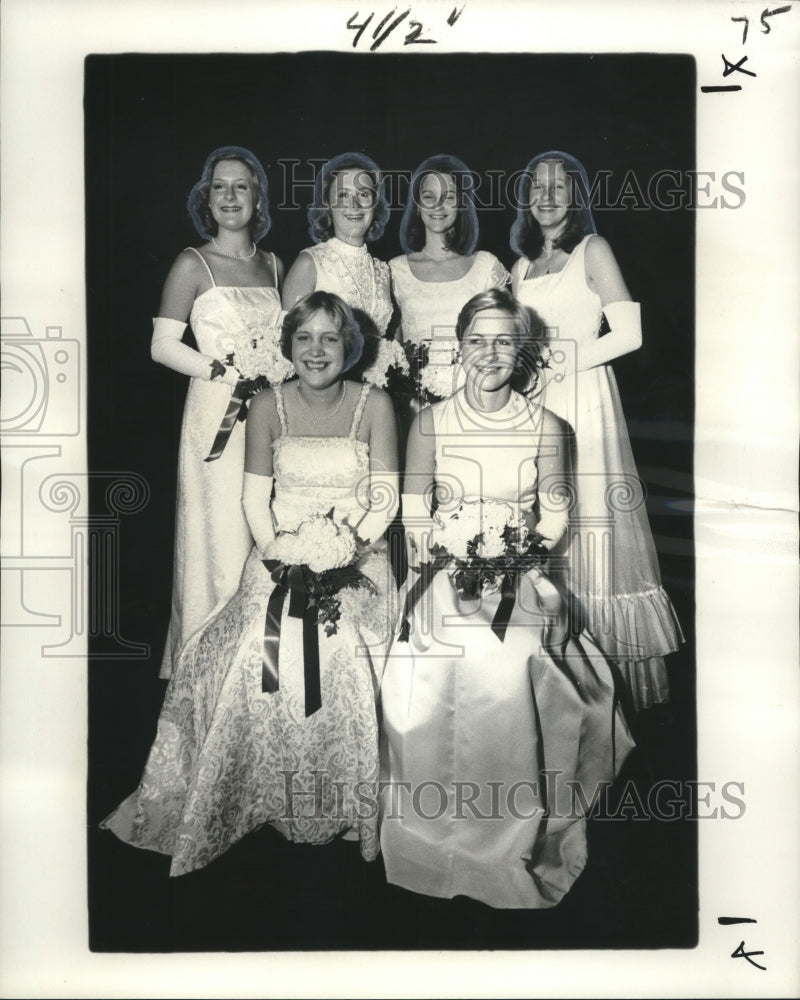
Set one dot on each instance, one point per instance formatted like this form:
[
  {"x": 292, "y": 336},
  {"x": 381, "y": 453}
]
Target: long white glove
[
  {"x": 375, "y": 522},
  {"x": 167, "y": 348},
  {"x": 624, "y": 336},
  {"x": 552, "y": 525},
  {"x": 256, "y": 498},
  {"x": 417, "y": 524}
]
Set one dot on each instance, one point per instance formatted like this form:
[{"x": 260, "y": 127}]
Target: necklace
[
  {"x": 549, "y": 253},
  {"x": 317, "y": 417},
  {"x": 235, "y": 256}
]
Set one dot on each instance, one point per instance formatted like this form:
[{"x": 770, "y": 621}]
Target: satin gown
[
  {"x": 483, "y": 737},
  {"x": 212, "y": 539},
  {"x": 228, "y": 757},
  {"x": 613, "y": 566}
]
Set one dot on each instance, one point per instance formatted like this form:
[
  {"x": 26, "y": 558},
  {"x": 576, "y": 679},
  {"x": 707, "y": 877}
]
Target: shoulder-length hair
[
  {"x": 335, "y": 308},
  {"x": 528, "y": 334},
  {"x": 198, "y": 201},
  {"x": 320, "y": 220},
  {"x": 526, "y": 235},
  {"x": 463, "y": 236}
]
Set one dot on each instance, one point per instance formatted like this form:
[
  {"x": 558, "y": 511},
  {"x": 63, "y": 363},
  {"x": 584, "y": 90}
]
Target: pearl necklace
[
  {"x": 235, "y": 256},
  {"x": 316, "y": 418}
]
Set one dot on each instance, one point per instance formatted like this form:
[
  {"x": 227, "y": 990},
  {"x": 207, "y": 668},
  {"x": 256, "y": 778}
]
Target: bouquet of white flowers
[
  {"x": 255, "y": 352},
  {"x": 434, "y": 368},
  {"x": 482, "y": 542},
  {"x": 483, "y": 545},
  {"x": 390, "y": 362},
  {"x": 326, "y": 551}
]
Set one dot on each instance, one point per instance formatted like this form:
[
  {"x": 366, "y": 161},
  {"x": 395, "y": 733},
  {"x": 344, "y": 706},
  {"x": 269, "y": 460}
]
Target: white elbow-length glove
[
  {"x": 256, "y": 500},
  {"x": 374, "y": 523},
  {"x": 624, "y": 336},
  {"x": 417, "y": 524},
  {"x": 167, "y": 348}
]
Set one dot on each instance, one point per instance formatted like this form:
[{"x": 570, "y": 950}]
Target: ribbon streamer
[
  {"x": 289, "y": 581},
  {"x": 508, "y": 598},
  {"x": 237, "y": 410},
  {"x": 549, "y": 598}
]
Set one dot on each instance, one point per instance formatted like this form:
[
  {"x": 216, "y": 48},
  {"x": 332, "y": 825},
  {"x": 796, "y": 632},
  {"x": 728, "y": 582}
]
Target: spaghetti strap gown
[
  {"x": 212, "y": 539},
  {"x": 613, "y": 566},
  {"x": 229, "y": 757},
  {"x": 492, "y": 748}
]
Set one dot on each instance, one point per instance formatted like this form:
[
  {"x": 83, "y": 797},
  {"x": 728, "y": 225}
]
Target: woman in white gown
[
  {"x": 499, "y": 725},
  {"x": 439, "y": 270},
  {"x": 569, "y": 277},
  {"x": 227, "y": 290},
  {"x": 349, "y": 211},
  {"x": 257, "y": 728}
]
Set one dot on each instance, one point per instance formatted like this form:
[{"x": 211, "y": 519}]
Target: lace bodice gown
[
  {"x": 228, "y": 757},
  {"x": 468, "y": 716},
  {"x": 356, "y": 276},
  {"x": 212, "y": 539},
  {"x": 613, "y": 567}
]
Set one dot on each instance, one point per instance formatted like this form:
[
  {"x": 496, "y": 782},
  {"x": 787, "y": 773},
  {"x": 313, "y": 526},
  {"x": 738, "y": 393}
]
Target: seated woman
[
  {"x": 270, "y": 714},
  {"x": 500, "y": 726}
]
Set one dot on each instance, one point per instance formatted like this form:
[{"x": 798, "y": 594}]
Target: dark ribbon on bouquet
[
  {"x": 502, "y": 617},
  {"x": 508, "y": 598},
  {"x": 244, "y": 389},
  {"x": 427, "y": 571},
  {"x": 290, "y": 581}
]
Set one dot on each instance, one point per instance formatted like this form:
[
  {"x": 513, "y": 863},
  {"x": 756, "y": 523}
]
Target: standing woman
[
  {"x": 493, "y": 714},
  {"x": 439, "y": 270},
  {"x": 227, "y": 289},
  {"x": 270, "y": 714},
  {"x": 570, "y": 278},
  {"x": 349, "y": 211}
]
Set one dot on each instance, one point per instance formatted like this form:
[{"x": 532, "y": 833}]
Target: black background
[{"x": 150, "y": 123}]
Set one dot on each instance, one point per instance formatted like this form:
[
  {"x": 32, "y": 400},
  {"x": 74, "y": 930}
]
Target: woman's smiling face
[
  {"x": 551, "y": 193},
  {"x": 318, "y": 351},
  {"x": 489, "y": 350},
  {"x": 352, "y": 199},
  {"x": 231, "y": 196},
  {"x": 438, "y": 202}
]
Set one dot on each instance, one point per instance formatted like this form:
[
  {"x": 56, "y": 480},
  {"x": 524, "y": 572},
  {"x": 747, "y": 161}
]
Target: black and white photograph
[{"x": 413, "y": 562}]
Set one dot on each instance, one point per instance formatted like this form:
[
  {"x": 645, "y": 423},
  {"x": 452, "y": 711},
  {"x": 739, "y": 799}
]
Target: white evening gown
[
  {"x": 228, "y": 757},
  {"x": 613, "y": 567},
  {"x": 484, "y": 736},
  {"x": 212, "y": 539},
  {"x": 429, "y": 309},
  {"x": 356, "y": 276}
]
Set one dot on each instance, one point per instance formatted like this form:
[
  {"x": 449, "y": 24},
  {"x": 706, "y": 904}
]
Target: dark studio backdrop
[{"x": 150, "y": 122}]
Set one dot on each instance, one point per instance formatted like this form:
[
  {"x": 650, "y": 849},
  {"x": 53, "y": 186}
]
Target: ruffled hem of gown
[{"x": 624, "y": 625}]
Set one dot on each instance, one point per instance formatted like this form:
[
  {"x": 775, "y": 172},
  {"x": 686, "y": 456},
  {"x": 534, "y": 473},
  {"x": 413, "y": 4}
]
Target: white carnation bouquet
[
  {"x": 390, "y": 362},
  {"x": 435, "y": 368},
  {"x": 482, "y": 541},
  {"x": 326, "y": 550},
  {"x": 255, "y": 352}
]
